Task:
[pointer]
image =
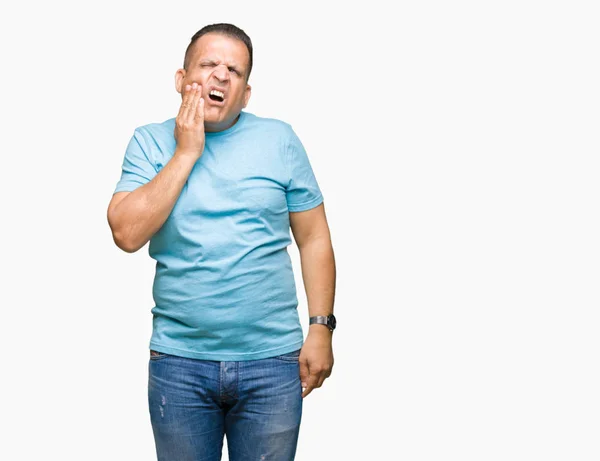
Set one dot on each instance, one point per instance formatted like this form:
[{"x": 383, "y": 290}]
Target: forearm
[
  {"x": 319, "y": 275},
  {"x": 142, "y": 212}
]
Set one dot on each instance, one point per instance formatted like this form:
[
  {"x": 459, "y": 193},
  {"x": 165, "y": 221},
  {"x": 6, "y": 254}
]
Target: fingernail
[
  {"x": 187, "y": 87},
  {"x": 303, "y": 384},
  {"x": 194, "y": 85}
]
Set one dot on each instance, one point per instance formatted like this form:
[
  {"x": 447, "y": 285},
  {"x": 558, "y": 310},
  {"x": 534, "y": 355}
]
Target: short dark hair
[{"x": 225, "y": 29}]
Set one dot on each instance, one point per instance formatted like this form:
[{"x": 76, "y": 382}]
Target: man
[{"x": 215, "y": 191}]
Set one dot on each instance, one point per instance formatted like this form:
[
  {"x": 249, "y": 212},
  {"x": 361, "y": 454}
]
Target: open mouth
[{"x": 216, "y": 95}]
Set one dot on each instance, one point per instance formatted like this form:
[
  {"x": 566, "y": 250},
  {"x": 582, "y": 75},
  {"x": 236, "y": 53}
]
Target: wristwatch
[{"x": 328, "y": 320}]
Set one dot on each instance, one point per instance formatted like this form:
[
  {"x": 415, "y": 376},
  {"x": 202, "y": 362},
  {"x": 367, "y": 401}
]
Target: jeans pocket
[
  {"x": 155, "y": 355},
  {"x": 289, "y": 357}
]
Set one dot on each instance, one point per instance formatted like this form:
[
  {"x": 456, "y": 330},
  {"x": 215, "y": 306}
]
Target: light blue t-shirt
[{"x": 224, "y": 287}]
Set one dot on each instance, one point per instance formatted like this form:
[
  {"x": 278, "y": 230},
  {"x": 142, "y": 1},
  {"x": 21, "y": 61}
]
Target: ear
[
  {"x": 179, "y": 76},
  {"x": 247, "y": 95}
]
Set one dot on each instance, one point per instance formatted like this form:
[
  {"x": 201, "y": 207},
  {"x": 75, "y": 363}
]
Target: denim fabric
[{"x": 256, "y": 404}]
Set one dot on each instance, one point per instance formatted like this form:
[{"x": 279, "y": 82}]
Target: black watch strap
[{"x": 329, "y": 321}]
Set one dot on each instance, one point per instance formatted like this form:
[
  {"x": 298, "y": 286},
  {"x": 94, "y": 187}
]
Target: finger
[
  {"x": 322, "y": 378},
  {"x": 183, "y": 99},
  {"x": 181, "y": 105},
  {"x": 304, "y": 374},
  {"x": 185, "y": 103},
  {"x": 311, "y": 383},
  {"x": 194, "y": 96},
  {"x": 200, "y": 111}
]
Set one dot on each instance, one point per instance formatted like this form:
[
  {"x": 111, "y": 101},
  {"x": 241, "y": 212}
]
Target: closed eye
[{"x": 207, "y": 64}]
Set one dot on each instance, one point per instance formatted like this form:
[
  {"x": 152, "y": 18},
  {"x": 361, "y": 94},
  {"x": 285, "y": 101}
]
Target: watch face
[{"x": 332, "y": 321}]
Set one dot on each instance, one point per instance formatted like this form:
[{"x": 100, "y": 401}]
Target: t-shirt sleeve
[
  {"x": 137, "y": 169},
  {"x": 303, "y": 191}
]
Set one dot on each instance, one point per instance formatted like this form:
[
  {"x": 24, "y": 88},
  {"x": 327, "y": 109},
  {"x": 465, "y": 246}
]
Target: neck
[{"x": 216, "y": 127}]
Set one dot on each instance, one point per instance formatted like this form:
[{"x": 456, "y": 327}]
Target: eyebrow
[{"x": 232, "y": 66}]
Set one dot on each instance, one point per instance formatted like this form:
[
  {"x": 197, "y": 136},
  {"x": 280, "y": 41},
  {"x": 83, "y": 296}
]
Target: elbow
[
  {"x": 127, "y": 245},
  {"x": 123, "y": 240},
  {"x": 127, "y": 242},
  {"x": 121, "y": 231}
]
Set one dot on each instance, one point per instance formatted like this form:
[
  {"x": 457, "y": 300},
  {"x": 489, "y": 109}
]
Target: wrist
[
  {"x": 321, "y": 331},
  {"x": 318, "y": 322},
  {"x": 187, "y": 153}
]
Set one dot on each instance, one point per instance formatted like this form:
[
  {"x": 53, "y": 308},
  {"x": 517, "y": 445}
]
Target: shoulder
[
  {"x": 157, "y": 130},
  {"x": 157, "y": 140},
  {"x": 270, "y": 126}
]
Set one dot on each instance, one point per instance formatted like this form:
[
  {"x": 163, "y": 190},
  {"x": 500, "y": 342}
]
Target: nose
[{"x": 221, "y": 73}]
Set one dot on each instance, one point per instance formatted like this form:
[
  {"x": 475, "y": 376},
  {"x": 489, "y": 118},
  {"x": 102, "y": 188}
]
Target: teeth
[{"x": 218, "y": 93}]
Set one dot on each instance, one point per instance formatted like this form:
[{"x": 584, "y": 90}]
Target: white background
[{"x": 456, "y": 144}]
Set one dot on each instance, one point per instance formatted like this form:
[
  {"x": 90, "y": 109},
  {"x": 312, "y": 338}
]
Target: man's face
[{"x": 220, "y": 64}]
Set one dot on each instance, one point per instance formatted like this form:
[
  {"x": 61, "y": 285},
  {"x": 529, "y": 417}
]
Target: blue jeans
[{"x": 256, "y": 404}]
